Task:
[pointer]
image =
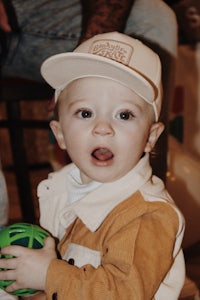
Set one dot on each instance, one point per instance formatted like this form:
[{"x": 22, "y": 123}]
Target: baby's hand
[{"x": 28, "y": 267}]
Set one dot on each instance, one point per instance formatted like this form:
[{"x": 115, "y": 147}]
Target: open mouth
[{"x": 102, "y": 154}]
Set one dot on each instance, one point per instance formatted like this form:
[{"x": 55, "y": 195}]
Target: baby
[{"x": 119, "y": 231}]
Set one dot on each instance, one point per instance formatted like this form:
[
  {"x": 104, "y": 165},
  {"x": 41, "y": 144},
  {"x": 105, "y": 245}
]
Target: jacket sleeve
[
  {"x": 104, "y": 16},
  {"x": 136, "y": 256}
]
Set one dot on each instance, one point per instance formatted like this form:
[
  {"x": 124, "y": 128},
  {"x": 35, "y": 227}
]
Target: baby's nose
[{"x": 103, "y": 128}]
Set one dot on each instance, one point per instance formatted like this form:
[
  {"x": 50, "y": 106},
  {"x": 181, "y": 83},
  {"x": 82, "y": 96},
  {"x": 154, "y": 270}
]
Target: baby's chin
[{"x": 102, "y": 175}]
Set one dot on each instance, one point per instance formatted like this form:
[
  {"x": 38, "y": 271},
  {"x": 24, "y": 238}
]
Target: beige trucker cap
[{"x": 112, "y": 55}]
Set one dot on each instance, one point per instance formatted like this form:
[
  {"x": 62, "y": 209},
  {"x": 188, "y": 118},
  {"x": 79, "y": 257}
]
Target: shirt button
[
  {"x": 71, "y": 261},
  {"x": 54, "y": 296}
]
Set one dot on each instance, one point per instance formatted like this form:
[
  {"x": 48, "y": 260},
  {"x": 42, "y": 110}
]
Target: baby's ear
[
  {"x": 57, "y": 131},
  {"x": 155, "y": 131}
]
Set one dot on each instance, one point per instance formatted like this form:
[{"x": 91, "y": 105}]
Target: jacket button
[
  {"x": 54, "y": 296},
  {"x": 71, "y": 261}
]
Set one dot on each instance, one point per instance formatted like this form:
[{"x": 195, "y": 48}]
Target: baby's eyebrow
[
  {"x": 74, "y": 102},
  {"x": 133, "y": 104}
]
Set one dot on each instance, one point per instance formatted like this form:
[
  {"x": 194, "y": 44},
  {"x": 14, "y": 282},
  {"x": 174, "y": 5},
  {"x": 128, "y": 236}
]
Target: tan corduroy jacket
[{"x": 122, "y": 241}]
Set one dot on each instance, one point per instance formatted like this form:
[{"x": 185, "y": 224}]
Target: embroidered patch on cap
[{"x": 112, "y": 49}]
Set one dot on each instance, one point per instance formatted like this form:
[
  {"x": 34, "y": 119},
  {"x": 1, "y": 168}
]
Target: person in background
[
  {"x": 35, "y": 30},
  {"x": 119, "y": 231}
]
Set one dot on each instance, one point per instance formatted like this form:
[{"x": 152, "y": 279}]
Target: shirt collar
[{"x": 95, "y": 207}]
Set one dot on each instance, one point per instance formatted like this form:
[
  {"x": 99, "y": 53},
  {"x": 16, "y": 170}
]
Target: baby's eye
[
  {"x": 85, "y": 114},
  {"x": 125, "y": 115}
]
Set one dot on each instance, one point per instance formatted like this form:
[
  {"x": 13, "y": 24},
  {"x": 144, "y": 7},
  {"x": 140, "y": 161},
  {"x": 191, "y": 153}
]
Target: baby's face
[{"x": 104, "y": 126}]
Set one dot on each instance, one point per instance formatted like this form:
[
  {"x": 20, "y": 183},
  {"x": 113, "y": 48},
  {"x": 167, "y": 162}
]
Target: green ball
[{"x": 21, "y": 234}]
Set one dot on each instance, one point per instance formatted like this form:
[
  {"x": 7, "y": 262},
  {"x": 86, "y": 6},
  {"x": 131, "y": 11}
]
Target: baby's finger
[
  {"x": 8, "y": 263},
  {"x": 13, "y": 287},
  {"x": 13, "y": 250},
  {"x": 7, "y": 275}
]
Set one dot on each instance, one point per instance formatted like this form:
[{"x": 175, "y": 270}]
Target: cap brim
[{"x": 61, "y": 69}]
